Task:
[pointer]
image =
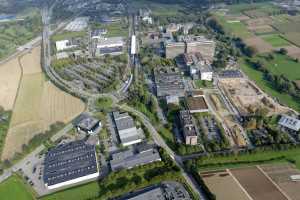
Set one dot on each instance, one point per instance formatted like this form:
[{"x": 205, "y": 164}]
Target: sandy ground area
[
  {"x": 10, "y": 75},
  {"x": 38, "y": 105}
]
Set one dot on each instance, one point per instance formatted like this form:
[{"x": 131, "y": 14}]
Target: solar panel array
[{"x": 69, "y": 161}]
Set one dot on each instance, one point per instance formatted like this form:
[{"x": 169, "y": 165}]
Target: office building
[{"x": 188, "y": 128}]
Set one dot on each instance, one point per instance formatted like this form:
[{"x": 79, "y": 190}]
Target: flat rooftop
[
  {"x": 69, "y": 161},
  {"x": 170, "y": 83},
  {"x": 289, "y": 122},
  {"x": 111, "y": 41},
  {"x": 128, "y": 159},
  {"x": 230, "y": 74},
  {"x": 123, "y": 121}
]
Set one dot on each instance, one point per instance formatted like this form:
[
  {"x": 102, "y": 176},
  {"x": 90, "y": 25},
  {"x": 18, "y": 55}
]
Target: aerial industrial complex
[{"x": 158, "y": 100}]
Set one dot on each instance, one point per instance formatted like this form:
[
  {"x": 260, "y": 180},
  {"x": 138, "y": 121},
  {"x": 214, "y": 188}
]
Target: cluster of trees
[
  {"x": 263, "y": 131},
  {"x": 144, "y": 101}
]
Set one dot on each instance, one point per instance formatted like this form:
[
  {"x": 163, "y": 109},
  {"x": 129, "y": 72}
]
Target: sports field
[
  {"x": 15, "y": 189},
  {"x": 276, "y": 40}
]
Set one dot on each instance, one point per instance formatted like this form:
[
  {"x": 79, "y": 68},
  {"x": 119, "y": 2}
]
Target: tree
[
  {"x": 283, "y": 51},
  {"x": 250, "y": 51}
]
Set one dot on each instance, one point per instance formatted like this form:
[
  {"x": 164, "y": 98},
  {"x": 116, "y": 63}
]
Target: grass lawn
[
  {"x": 235, "y": 28},
  {"x": 275, "y": 40},
  {"x": 104, "y": 103},
  {"x": 203, "y": 84},
  {"x": 15, "y": 189},
  {"x": 114, "y": 29},
  {"x": 257, "y": 76},
  {"x": 68, "y": 35},
  {"x": 282, "y": 64},
  {"x": 233, "y": 161}
]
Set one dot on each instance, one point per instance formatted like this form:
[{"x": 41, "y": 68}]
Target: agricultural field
[
  {"x": 258, "y": 182},
  {"x": 263, "y": 26},
  {"x": 280, "y": 174},
  {"x": 293, "y": 37},
  {"x": 276, "y": 40},
  {"x": 38, "y": 105},
  {"x": 223, "y": 185},
  {"x": 248, "y": 179},
  {"x": 10, "y": 75},
  {"x": 15, "y": 188}
]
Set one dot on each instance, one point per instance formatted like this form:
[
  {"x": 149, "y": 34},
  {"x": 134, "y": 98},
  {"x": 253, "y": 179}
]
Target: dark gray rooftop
[
  {"x": 169, "y": 83},
  {"x": 123, "y": 121},
  {"x": 88, "y": 123},
  {"x": 69, "y": 161},
  {"x": 128, "y": 159}
]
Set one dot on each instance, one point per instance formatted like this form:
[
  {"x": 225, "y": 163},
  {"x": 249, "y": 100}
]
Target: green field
[
  {"x": 258, "y": 77},
  {"x": 67, "y": 35},
  {"x": 293, "y": 37},
  {"x": 259, "y": 8},
  {"x": 233, "y": 161},
  {"x": 15, "y": 189},
  {"x": 234, "y": 27},
  {"x": 288, "y": 27},
  {"x": 282, "y": 64},
  {"x": 275, "y": 40},
  {"x": 114, "y": 29}
]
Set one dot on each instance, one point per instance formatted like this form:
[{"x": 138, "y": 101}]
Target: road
[{"x": 160, "y": 141}]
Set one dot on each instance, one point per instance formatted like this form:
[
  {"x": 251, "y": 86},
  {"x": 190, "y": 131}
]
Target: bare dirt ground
[
  {"x": 223, "y": 185},
  {"x": 246, "y": 96},
  {"x": 280, "y": 174},
  {"x": 261, "y": 45},
  {"x": 38, "y": 105},
  {"x": 10, "y": 75},
  {"x": 258, "y": 186},
  {"x": 293, "y": 51}
]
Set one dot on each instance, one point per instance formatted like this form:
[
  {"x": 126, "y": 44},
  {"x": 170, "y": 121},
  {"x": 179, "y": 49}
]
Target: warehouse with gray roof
[
  {"x": 129, "y": 159},
  {"x": 70, "y": 163}
]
